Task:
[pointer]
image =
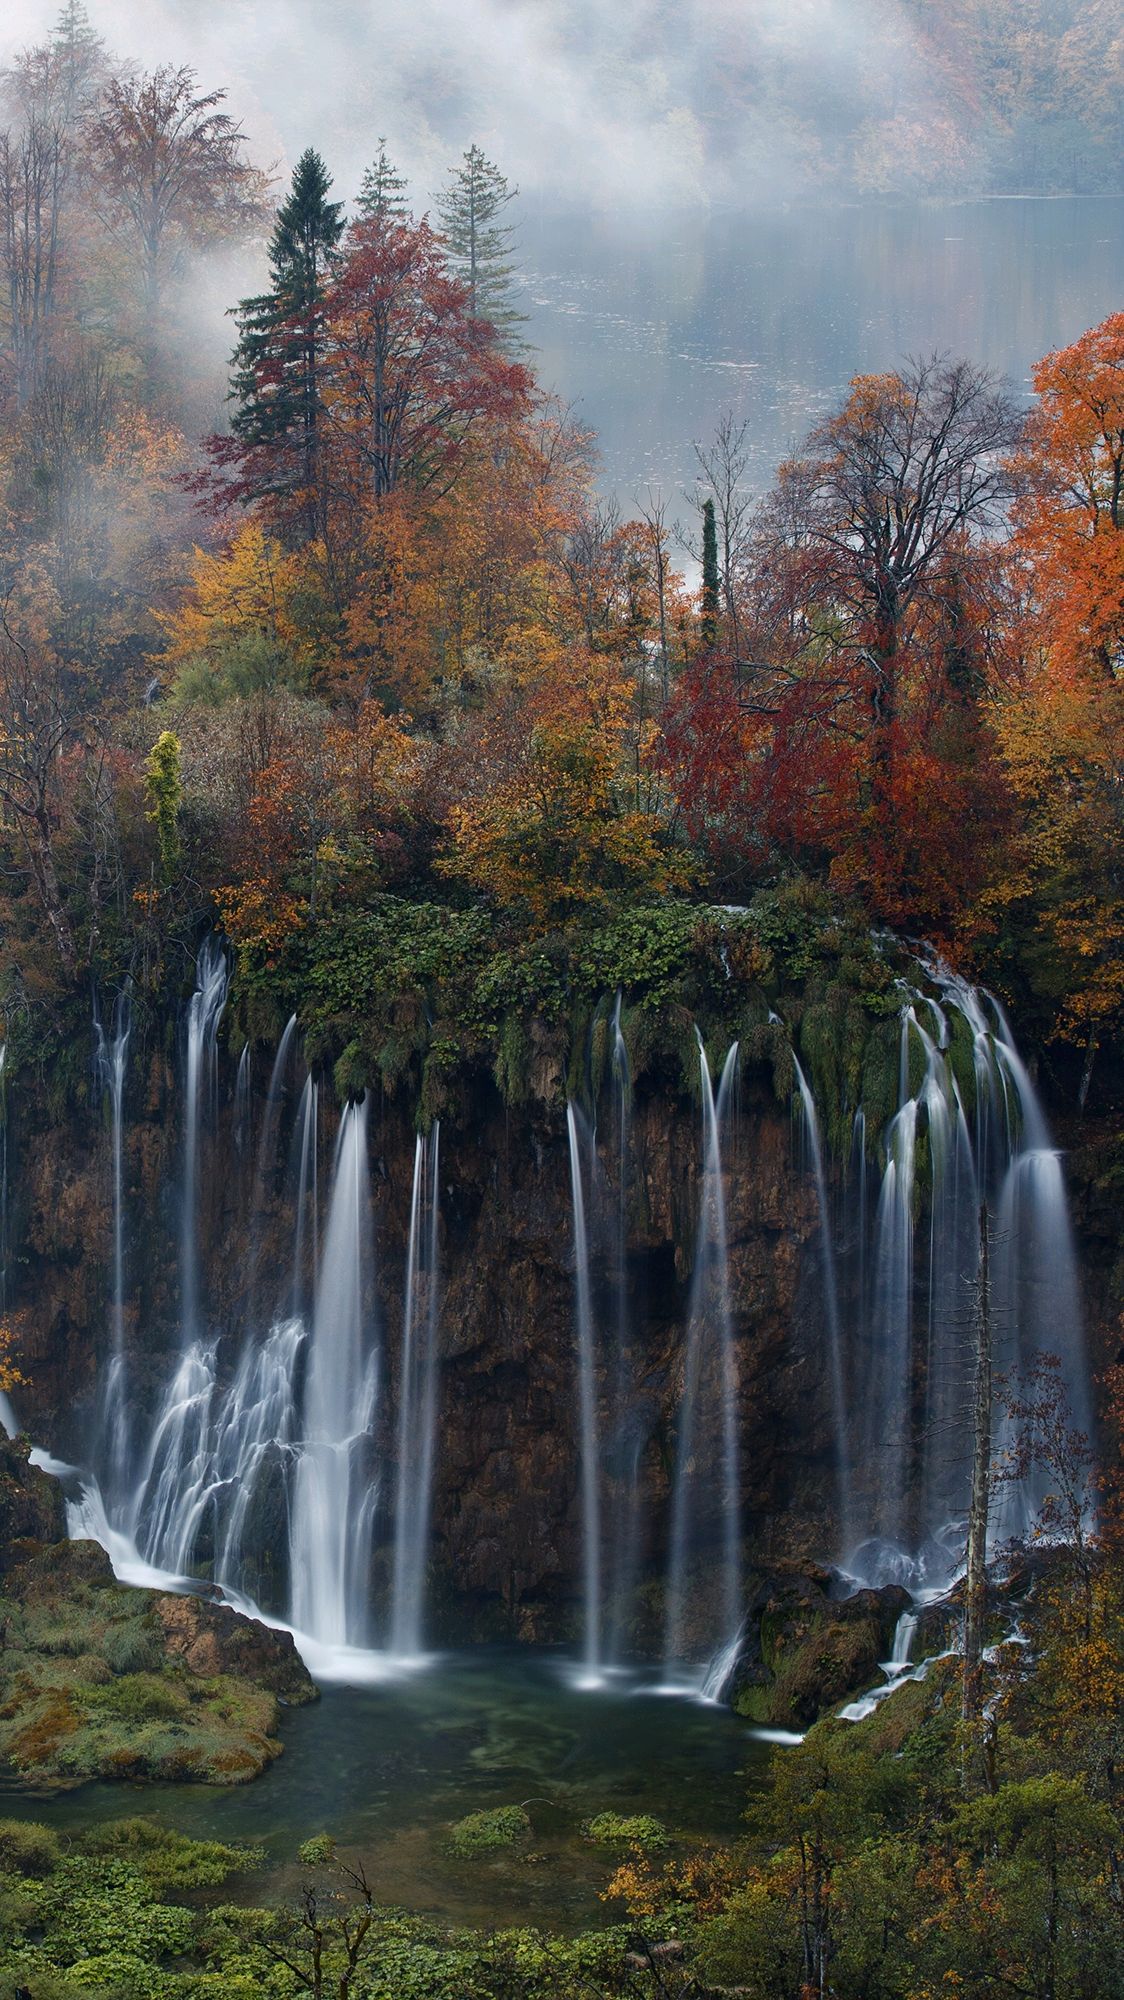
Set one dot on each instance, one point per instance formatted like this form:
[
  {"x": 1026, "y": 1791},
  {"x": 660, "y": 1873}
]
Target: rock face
[
  {"x": 506, "y": 1525},
  {"x": 507, "y": 1511},
  {"x": 212, "y": 1639},
  {"x": 32, "y": 1510}
]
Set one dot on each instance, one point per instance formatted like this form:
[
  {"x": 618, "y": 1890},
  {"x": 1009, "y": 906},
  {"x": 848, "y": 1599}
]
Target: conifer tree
[
  {"x": 708, "y": 626},
  {"x": 277, "y": 363},
  {"x": 479, "y": 243},
  {"x": 381, "y": 194}
]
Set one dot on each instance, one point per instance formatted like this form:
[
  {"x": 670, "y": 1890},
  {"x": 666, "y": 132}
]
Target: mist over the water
[
  {"x": 644, "y": 104},
  {"x": 619, "y": 104}
]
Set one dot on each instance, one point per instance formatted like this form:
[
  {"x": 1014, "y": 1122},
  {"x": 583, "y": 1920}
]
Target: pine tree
[
  {"x": 479, "y": 244},
  {"x": 381, "y": 194},
  {"x": 708, "y": 625},
  {"x": 277, "y": 363}
]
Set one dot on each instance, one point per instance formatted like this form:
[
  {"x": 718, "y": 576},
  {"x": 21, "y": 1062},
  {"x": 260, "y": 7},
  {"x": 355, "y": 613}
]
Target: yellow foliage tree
[{"x": 574, "y": 813}]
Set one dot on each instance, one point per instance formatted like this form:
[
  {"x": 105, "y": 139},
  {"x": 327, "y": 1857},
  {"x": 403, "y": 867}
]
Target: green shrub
[
  {"x": 482, "y": 1832},
  {"x": 315, "y": 1852},
  {"x": 610, "y": 1829},
  {"x": 27, "y": 1848}
]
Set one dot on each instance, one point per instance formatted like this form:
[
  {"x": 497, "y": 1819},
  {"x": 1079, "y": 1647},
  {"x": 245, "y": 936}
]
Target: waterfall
[
  {"x": 704, "y": 1613},
  {"x": 111, "y": 1057},
  {"x": 306, "y": 1260},
  {"x": 831, "y": 1306},
  {"x": 204, "y": 1015},
  {"x": 588, "y": 1436},
  {"x": 417, "y": 1404},
  {"x": 265, "y": 1166},
  {"x": 631, "y": 1420},
  {"x": 334, "y": 1498},
  {"x": 915, "y": 1397}
]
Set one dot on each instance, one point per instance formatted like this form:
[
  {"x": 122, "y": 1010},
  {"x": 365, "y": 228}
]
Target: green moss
[
  {"x": 610, "y": 1829},
  {"x": 484, "y": 1832}
]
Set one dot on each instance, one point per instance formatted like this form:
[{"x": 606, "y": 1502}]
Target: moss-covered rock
[
  {"x": 806, "y": 1651},
  {"x": 94, "y": 1683},
  {"x": 32, "y": 1510}
]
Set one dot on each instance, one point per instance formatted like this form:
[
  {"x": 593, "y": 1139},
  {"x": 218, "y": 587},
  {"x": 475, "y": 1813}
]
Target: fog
[{"x": 642, "y": 104}]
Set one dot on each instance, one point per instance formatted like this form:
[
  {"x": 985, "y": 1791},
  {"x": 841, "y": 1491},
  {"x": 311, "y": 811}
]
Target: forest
[{"x": 342, "y": 654}]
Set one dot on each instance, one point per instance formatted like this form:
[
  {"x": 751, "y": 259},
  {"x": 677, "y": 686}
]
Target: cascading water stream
[
  {"x": 265, "y": 1167},
  {"x": 630, "y": 1417},
  {"x": 306, "y": 1234},
  {"x": 334, "y": 1492},
  {"x": 831, "y": 1307},
  {"x": 417, "y": 1409},
  {"x": 588, "y": 1433},
  {"x": 204, "y": 1015},
  {"x": 1004, "y": 1158},
  {"x": 112, "y": 1052},
  {"x": 704, "y": 1612}
]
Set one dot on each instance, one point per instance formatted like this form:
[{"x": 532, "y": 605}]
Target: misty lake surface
[
  {"x": 651, "y": 331},
  {"x": 387, "y": 1770}
]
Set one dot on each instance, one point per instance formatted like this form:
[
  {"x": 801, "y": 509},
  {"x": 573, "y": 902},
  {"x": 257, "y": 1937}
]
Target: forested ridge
[{"x": 346, "y": 658}]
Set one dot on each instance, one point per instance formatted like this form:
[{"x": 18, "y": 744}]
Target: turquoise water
[{"x": 386, "y": 1770}]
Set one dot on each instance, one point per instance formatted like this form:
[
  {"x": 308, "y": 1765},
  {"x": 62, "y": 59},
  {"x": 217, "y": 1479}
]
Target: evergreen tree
[
  {"x": 708, "y": 626},
  {"x": 479, "y": 243},
  {"x": 277, "y": 363},
  {"x": 381, "y": 195}
]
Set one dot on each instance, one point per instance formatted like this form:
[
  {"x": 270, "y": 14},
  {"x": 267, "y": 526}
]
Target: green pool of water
[{"x": 387, "y": 1769}]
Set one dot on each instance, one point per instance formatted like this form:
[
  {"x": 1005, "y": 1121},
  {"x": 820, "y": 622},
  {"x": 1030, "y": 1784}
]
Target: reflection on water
[
  {"x": 651, "y": 332},
  {"x": 387, "y": 1770}
]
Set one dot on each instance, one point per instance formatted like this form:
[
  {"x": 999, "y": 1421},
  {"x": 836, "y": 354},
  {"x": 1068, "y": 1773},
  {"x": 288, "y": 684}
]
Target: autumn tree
[
  {"x": 901, "y": 481},
  {"x": 413, "y": 372},
  {"x": 1070, "y": 512},
  {"x": 708, "y": 620},
  {"x": 479, "y": 244},
  {"x": 277, "y": 426},
  {"x": 168, "y": 174},
  {"x": 552, "y": 818}
]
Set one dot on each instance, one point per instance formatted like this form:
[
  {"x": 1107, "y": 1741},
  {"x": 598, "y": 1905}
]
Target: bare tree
[
  {"x": 34, "y": 173},
  {"x": 323, "y": 1941},
  {"x": 722, "y": 469},
  {"x": 60, "y": 458},
  {"x": 902, "y": 478},
  {"x": 37, "y": 721},
  {"x": 168, "y": 173}
]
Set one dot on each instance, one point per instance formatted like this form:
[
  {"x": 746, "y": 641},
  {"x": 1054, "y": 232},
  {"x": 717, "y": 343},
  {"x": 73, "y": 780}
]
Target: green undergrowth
[{"x": 422, "y": 999}]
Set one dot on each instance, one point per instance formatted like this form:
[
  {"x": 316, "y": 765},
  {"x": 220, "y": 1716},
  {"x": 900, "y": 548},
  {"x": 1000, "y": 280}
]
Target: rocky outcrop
[
  {"x": 101, "y": 1681},
  {"x": 32, "y": 1510},
  {"x": 806, "y": 1651},
  {"x": 213, "y": 1639}
]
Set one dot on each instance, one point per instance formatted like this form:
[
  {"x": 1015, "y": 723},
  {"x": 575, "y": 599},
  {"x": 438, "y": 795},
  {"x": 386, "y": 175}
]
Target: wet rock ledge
[{"x": 101, "y": 1681}]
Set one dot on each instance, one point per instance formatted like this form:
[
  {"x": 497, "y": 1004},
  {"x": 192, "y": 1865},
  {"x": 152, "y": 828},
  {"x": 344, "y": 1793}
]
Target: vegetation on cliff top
[{"x": 376, "y": 681}]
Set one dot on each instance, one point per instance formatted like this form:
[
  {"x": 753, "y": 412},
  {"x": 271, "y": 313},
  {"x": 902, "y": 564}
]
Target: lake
[
  {"x": 651, "y": 330},
  {"x": 387, "y": 1770}
]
